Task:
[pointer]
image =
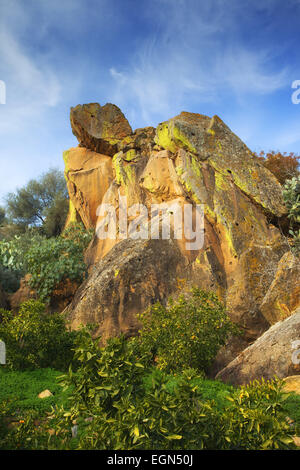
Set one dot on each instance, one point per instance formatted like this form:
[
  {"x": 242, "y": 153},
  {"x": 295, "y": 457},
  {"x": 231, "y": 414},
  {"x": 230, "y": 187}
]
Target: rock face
[
  {"x": 133, "y": 275},
  {"x": 276, "y": 352},
  {"x": 292, "y": 384},
  {"x": 190, "y": 159},
  {"x": 24, "y": 293},
  {"x": 99, "y": 128},
  {"x": 60, "y": 297},
  {"x": 283, "y": 296}
]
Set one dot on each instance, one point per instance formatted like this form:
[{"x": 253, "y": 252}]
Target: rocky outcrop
[
  {"x": 190, "y": 159},
  {"x": 60, "y": 297},
  {"x": 292, "y": 384},
  {"x": 283, "y": 295},
  {"x": 99, "y": 128},
  {"x": 135, "y": 274},
  {"x": 275, "y": 353},
  {"x": 24, "y": 293}
]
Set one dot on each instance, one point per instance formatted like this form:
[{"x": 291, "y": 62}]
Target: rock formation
[
  {"x": 189, "y": 159},
  {"x": 271, "y": 354}
]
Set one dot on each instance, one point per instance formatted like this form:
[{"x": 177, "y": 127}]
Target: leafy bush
[
  {"x": 117, "y": 411},
  {"x": 291, "y": 195},
  {"x": 187, "y": 333},
  {"x": 36, "y": 339},
  {"x": 113, "y": 409},
  {"x": 12, "y": 252},
  {"x": 9, "y": 280},
  {"x": 255, "y": 420},
  {"x": 54, "y": 260}
]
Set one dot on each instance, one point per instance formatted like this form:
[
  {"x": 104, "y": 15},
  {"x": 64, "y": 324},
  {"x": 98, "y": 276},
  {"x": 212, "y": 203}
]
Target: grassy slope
[{"x": 22, "y": 389}]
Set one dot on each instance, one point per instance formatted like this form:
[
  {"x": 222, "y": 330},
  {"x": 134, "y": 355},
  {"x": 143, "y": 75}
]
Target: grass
[
  {"x": 21, "y": 389},
  {"x": 292, "y": 410},
  {"x": 210, "y": 389}
]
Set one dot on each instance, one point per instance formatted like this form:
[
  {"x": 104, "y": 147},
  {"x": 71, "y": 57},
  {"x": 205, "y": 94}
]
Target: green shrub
[
  {"x": 187, "y": 333},
  {"x": 291, "y": 195},
  {"x": 36, "y": 339},
  {"x": 255, "y": 420},
  {"x": 12, "y": 252},
  {"x": 116, "y": 407},
  {"x": 54, "y": 260},
  {"x": 125, "y": 411},
  {"x": 9, "y": 280}
]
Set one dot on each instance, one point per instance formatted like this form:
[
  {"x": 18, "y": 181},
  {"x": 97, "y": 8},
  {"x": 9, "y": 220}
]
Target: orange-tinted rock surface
[{"x": 190, "y": 159}]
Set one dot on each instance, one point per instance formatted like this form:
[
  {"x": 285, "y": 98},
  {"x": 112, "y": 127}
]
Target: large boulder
[
  {"x": 133, "y": 275},
  {"x": 99, "y": 128},
  {"x": 88, "y": 175},
  {"x": 24, "y": 293},
  {"x": 273, "y": 354},
  {"x": 283, "y": 295},
  {"x": 190, "y": 159}
]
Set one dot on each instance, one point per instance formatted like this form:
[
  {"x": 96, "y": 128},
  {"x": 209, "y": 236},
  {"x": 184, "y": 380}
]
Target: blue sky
[{"x": 153, "y": 58}]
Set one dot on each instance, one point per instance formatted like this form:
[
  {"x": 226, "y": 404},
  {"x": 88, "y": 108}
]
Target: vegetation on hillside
[{"x": 115, "y": 397}]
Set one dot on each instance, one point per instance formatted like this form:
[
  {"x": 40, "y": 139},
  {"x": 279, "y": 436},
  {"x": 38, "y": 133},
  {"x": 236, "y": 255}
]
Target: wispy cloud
[{"x": 191, "y": 58}]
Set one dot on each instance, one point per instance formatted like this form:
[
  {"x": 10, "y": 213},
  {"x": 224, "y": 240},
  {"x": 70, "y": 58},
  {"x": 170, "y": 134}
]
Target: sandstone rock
[
  {"x": 88, "y": 175},
  {"x": 212, "y": 141},
  {"x": 190, "y": 159},
  {"x": 270, "y": 355},
  {"x": 45, "y": 394},
  {"x": 292, "y": 384},
  {"x": 134, "y": 274},
  {"x": 283, "y": 295},
  {"x": 24, "y": 293},
  {"x": 99, "y": 128},
  {"x": 60, "y": 297},
  {"x": 296, "y": 440}
]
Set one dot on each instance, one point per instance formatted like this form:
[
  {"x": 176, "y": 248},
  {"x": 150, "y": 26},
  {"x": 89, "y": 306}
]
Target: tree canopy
[{"x": 42, "y": 202}]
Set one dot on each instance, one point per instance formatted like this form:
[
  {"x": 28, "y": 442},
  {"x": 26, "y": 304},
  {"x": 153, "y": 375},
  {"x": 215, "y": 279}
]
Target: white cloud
[{"x": 191, "y": 60}]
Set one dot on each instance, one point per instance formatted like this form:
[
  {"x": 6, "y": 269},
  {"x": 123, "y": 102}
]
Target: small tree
[
  {"x": 187, "y": 333},
  {"x": 284, "y": 166},
  {"x": 42, "y": 202}
]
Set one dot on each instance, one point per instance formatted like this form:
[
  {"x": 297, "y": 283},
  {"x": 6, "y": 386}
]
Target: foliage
[
  {"x": 54, "y": 260},
  {"x": 9, "y": 280},
  {"x": 283, "y": 166},
  {"x": 126, "y": 411},
  {"x": 291, "y": 196},
  {"x": 12, "y": 252},
  {"x": 2, "y": 215},
  {"x": 24, "y": 386},
  {"x": 48, "y": 260},
  {"x": 255, "y": 420},
  {"x": 187, "y": 333},
  {"x": 36, "y": 339},
  {"x": 43, "y": 201}
]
